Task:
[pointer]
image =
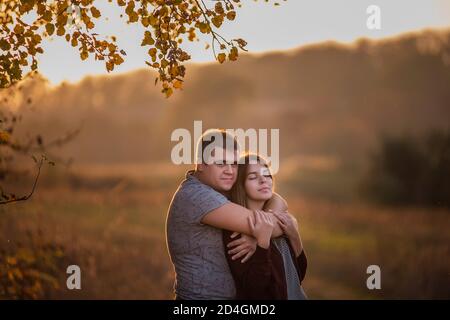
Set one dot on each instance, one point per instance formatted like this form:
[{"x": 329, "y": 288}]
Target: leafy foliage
[
  {"x": 32, "y": 271},
  {"x": 165, "y": 24}
]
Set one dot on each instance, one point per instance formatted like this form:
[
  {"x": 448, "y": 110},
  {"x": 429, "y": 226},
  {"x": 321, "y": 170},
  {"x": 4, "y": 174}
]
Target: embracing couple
[{"x": 229, "y": 234}]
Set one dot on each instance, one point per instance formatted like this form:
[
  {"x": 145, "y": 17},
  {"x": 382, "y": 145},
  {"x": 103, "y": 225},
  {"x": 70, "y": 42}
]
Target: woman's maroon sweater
[{"x": 262, "y": 277}]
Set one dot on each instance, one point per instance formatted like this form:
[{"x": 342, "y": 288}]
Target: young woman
[{"x": 278, "y": 266}]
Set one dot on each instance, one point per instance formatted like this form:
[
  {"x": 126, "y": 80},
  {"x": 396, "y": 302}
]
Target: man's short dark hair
[{"x": 214, "y": 137}]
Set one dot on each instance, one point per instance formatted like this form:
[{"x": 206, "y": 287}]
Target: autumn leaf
[
  {"x": 221, "y": 57},
  {"x": 168, "y": 92},
  {"x": 60, "y": 31},
  {"x": 177, "y": 84},
  {"x": 95, "y": 12},
  {"x": 118, "y": 59},
  {"x": 148, "y": 40},
  {"x": 231, "y": 15},
  {"x": 218, "y": 8},
  {"x": 50, "y": 28},
  {"x": 19, "y": 29},
  {"x": 109, "y": 66},
  {"x": 233, "y": 54},
  {"x": 204, "y": 27},
  {"x": 217, "y": 21},
  {"x": 84, "y": 55},
  {"x": 4, "y": 137},
  {"x": 152, "y": 52},
  {"x": 4, "y": 45}
]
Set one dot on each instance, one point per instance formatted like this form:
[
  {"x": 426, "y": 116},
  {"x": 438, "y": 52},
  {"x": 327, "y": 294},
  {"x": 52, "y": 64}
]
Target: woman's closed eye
[{"x": 251, "y": 176}]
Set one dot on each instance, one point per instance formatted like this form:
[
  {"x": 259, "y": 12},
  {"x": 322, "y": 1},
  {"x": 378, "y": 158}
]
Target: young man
[{"x": 198, "y": 212}]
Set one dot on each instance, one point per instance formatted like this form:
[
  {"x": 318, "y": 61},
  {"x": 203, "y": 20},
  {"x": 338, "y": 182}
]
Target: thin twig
[{"x": 32, "y": 190}]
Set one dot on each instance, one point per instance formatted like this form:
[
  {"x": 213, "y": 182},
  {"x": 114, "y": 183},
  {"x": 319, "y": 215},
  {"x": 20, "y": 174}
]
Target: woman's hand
[
  {"x": 261, "y": 226},
  {"x": 289, "y": 224},
  {"x": 243, "y": 246}
]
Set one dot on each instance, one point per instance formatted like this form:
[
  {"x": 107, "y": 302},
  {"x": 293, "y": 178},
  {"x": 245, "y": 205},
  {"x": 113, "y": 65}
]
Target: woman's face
[{"x": 258, "y": 182}]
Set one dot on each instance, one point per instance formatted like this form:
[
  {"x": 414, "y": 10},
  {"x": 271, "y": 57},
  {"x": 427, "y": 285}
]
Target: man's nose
[{"x": 228, "y": 168}]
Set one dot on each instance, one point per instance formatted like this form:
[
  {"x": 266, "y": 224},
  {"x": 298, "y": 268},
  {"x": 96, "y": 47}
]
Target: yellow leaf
[
  {"x": 231, "y": 15},
  {"x": 4, "y": 45},
  {"x": 18, "y": 29},
  {"x": 221, "y": 57},
  {"x": 218, "y": 8},
  {"x": 133, "y": 17},
  {"x": 47, "y": 16},
  {"x": 112, "y": 47},
  {"x": 145, "y": 21},
  {"x": 174, "y": 71},
  {"x": 233, "y": 54},
  {"x": 90, "y": 25},
  {"x": 152, "y": 52},
  {"x": 110, "y": 66},
  {"x": 217, "y": 21},
  {"x": 84, "y": 55},
  {"x": 164, "y": 63},
  {"x": 4, "y": 136},
  {"x": 153, "y": 20},
  {"x": 168, "y": 92},
  {"x": 95, "y": 12},
  {"x": 60, "y": 31},
  {"x": 148, "y": 40},
  {"x": 37, "y": 38},
  {"x": 204, "y": 27},
  {"x": 118, "y": 59},
  {"x": 177, "y": 84}
]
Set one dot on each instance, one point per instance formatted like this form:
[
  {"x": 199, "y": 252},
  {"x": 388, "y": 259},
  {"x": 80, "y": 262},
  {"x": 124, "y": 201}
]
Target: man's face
[{"x": 220, "y": 169}]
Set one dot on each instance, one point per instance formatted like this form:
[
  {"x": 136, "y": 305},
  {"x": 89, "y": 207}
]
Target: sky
[{"x": 264, "y": 26}]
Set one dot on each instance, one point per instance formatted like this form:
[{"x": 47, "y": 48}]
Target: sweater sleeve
[
  {"x": 302, "y": 262},
  {"x": 253, "y": 276}
]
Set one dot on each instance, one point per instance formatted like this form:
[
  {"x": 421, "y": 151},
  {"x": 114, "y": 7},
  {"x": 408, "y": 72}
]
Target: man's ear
[{"x": 200, "y": 167}]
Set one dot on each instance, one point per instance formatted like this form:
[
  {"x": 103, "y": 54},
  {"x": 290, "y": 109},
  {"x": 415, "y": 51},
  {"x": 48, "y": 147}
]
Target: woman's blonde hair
[{"x": 237, "y": 193}]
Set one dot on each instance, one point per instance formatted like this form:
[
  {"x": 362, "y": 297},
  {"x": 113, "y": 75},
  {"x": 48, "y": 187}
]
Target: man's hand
[
  {"x": 261, "y": 226},
  {"x": 244, "y": 246}
]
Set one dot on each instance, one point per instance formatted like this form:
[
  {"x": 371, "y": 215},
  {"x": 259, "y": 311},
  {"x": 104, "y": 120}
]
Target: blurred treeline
[
  {"x": 411, "y": 171},
  {"x": 334, "y": 105}
]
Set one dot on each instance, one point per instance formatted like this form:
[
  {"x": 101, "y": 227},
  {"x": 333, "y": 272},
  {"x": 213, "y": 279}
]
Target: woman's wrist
[
  {"x": 264, "y": 243},
  {"x": 296, "y": 244},
  {"x": 293, "y": 236}
]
